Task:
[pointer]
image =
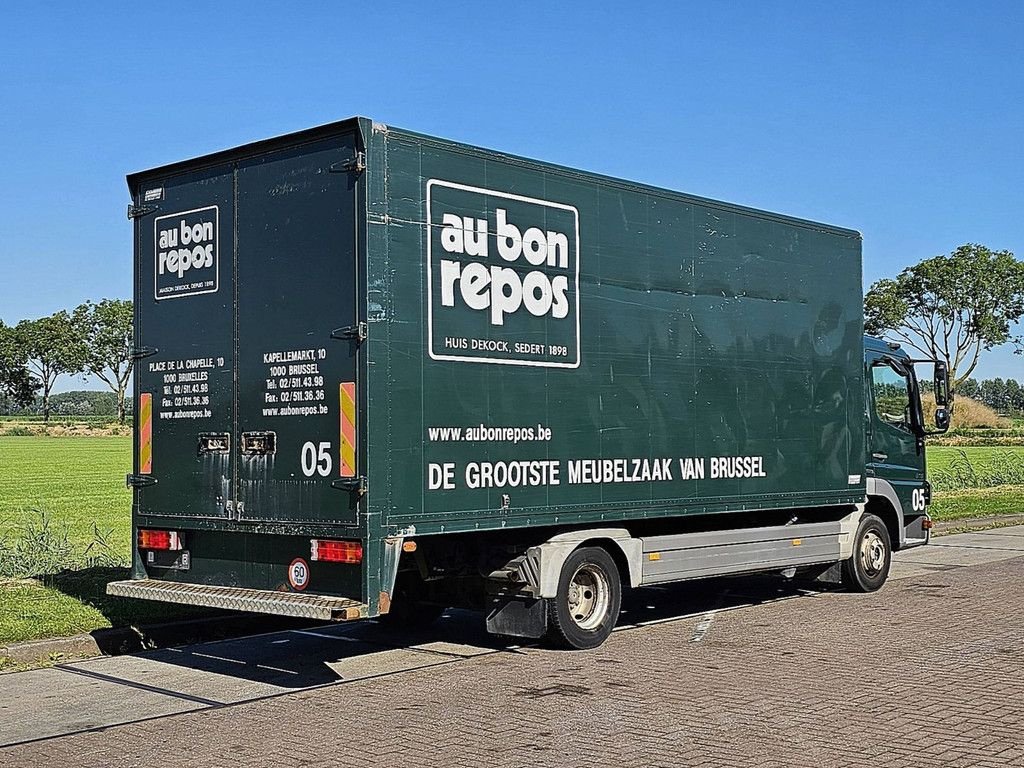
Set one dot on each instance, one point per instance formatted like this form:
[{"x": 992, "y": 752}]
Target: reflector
[
  {"x": 328, "y": 551},
  {"x": 149, "y": 539}
]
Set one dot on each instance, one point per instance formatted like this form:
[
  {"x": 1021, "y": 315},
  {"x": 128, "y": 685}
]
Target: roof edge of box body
[
  {"x": 543, "y": 165},
  {"x": 363, "y": 126},
  {"x": 253, "y": 149}
]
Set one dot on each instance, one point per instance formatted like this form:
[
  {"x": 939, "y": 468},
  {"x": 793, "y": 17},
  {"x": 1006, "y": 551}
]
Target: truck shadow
[
  {"x": 694, "y": 599},
  {"x": 300, "y": 655}
]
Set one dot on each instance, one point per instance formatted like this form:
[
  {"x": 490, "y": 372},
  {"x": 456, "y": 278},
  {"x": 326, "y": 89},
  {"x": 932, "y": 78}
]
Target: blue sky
[{"x": 902, "y": 120}]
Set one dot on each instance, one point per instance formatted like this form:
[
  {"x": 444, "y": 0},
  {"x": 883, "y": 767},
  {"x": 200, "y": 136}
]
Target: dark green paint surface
[
  {"x": 705, "y": 331},
  {"x": 658, "y": 327},
  {"x": 895, "y": 453}
]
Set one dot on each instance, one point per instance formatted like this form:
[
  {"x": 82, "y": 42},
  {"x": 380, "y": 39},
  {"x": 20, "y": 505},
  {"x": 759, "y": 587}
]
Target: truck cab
[{"x": 895, "y": 466}]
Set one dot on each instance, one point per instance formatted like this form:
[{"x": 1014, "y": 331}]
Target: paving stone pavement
[{"x": 927, "y": 672}]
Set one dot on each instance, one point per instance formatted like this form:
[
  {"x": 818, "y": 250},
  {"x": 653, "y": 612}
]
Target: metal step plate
[{"x": 321, "y": 607}]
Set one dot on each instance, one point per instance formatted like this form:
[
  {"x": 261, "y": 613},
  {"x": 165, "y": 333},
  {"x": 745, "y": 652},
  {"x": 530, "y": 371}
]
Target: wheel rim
[
  {"x": 872, "y": 553},
  {"x": 589, "y": 596}
]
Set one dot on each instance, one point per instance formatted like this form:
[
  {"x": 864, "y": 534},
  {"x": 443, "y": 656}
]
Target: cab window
[{"x": 892, "y": 396}]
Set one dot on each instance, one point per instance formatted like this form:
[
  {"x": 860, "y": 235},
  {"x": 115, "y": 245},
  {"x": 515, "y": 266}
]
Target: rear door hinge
[
  {"x": 135, "y": 211},
  {"x": 356, "y": 484},
  {"x": 140, "y": 352},
  {"x": 356, "y": 164},
  {"x": 139, "y": 481},
  {"x": 357, "y": 332}
]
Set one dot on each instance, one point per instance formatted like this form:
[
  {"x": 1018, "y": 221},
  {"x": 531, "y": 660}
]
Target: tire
[
  {"x": 869, "y": 567},
  {"x": 586, "y": 608}
]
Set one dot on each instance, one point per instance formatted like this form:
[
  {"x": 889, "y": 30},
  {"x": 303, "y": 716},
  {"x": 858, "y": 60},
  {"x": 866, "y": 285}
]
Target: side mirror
[
  {"x": 941, "y": 383},
  {"x": 942, "y": 419}
]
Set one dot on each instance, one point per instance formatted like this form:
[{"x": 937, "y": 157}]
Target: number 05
[{"x": 316, "y": 459}]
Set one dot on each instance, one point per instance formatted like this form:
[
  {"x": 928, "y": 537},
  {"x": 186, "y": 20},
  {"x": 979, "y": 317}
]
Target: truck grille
[{"x": 320, "y": 607}]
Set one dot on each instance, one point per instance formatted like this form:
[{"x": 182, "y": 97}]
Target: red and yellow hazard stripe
[
  {"x": 347, "y": 396},
  {"x": 145, "y": 433}
]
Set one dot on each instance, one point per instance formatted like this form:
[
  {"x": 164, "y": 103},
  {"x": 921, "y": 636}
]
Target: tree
[
  {"x": 17, "y": 386},
  {"x": 992, "y": 393},
  {"x": 969, "y": 388},
  {"x": 1012, "y": 396},
  {"x": 53, "y": 346},
  {"x": 107, "y": 330},
  {"x": 951, "y": 307}
]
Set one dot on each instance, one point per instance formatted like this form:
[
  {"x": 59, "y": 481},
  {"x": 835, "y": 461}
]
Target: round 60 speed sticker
[{"x": 298, "y": 574}]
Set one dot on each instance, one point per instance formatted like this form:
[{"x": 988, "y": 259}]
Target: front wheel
[
  {"x": 585, "y": 610},
  {"x": 868, "y": 569}
]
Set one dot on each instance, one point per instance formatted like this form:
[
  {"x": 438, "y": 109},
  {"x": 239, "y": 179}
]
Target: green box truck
[{"x": 379, "y": 374}]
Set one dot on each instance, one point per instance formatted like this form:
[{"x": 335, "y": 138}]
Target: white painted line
[
  {"x": 311, "y": 633},
  {"x": 215, "y": 658},
  {"x": 702, "y": 627},
  {"x": 277, "y": 669}
]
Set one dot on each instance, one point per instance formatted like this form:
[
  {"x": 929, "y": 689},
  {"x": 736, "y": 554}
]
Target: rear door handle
[
  {"x": 259, "y": 443},
  {"x": 880, "y": 456}
]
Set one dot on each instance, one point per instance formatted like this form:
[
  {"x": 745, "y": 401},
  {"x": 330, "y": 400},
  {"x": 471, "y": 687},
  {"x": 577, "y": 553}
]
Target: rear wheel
[
  {"x": 585, "y": 610},
  {"x": 868, "y": 569}
]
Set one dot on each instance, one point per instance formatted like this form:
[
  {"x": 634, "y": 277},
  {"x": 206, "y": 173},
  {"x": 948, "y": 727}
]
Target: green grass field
[
  {"x": 940, "y": 456},
  {"x": 79, "y": 483}
]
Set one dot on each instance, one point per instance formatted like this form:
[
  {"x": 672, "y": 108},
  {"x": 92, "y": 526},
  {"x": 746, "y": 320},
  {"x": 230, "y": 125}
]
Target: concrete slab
[
  {"x": 960, "y": 550},
  {"x": 462, "y": 650},
  {"x": 983, "y": 539},
  {"x": 48, "y": 702},
  {"x": 374, "y": 661},
  {"x": 905, "y": 569},
  {"x": 226, "y": 672},
  {"x": 956, "y": 555}
]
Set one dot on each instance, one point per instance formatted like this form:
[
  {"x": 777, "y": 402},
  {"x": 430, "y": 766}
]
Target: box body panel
[
  {"x": 673, "y": 355},
  {"x": 544, "y": 347}
]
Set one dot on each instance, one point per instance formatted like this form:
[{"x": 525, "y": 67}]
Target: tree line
[
  {"x": 94, "y": 338},
  {"x": 1004, "y": 396},
  {"x": 75, "y": 403},
  {"x": 951, "y": 307}
]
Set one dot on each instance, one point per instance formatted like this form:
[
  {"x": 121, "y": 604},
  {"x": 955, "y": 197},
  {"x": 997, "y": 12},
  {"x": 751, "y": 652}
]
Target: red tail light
[
  {"x": 327, "y": 551},
  {"x": 149, "y": 539}
]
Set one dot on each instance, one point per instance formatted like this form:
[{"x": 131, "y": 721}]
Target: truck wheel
[
  {"x": 868, "y": 569},
  {"x": 586, "y": 608}
]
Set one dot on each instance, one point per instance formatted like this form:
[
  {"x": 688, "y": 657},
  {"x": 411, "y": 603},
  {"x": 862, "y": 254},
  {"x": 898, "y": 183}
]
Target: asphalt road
[{"x": 745, "y": 671}]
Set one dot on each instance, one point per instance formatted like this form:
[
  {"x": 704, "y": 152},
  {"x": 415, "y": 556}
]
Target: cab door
[{"x": 895, "y": 451}]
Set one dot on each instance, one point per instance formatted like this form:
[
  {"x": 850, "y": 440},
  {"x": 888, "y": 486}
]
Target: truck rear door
[
  {"x": 184, "y": 322},
  {"x": 247, "y": 334},
  {"x": 297, "y": 335}
]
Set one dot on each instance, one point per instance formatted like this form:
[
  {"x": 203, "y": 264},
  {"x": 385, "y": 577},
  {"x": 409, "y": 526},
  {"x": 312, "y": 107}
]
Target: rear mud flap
[{"x": 517, "y": 615}]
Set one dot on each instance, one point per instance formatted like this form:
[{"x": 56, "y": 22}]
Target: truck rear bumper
[{"x": 319, "y": 607}]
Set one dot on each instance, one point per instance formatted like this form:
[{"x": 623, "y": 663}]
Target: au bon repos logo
[
  {"x": 186, "y": 253},
  {"x": 503, "y": 276}
]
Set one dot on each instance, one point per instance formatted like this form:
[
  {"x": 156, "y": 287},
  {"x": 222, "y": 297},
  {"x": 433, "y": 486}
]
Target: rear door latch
[
  {"x": 357, "y": 332},
  {"x": 139, "y": 481},
  {"x": 355, "y": 484},
  {"x": 356, "y": 164}
]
